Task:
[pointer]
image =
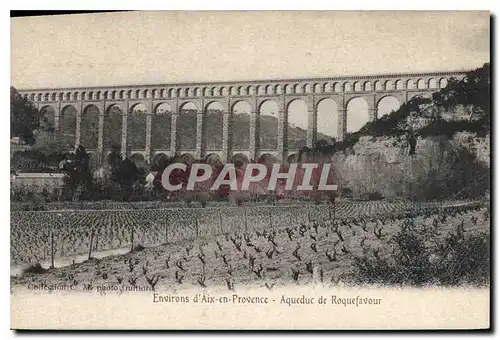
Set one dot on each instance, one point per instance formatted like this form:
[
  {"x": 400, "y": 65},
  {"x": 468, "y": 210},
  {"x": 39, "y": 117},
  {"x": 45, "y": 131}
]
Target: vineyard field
[
  {"x": 324, "y": 252},
  {"x": 36, "y": 235}
]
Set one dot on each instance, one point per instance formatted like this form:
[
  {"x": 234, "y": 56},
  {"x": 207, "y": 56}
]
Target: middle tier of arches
[{"x": 235, "y": 123}]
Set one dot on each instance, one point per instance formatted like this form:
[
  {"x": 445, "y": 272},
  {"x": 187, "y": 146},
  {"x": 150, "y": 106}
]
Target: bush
[
  {"x": 372, "y": 196},
  {"x": 467, "y": 260},
  {"x": 453, "y": 260},
  {"x": 346, "y": 192},
  {"x": 29, "y": 198},
  {"x": 34, "y": 269},
  {"x": 138, "y": 247}
]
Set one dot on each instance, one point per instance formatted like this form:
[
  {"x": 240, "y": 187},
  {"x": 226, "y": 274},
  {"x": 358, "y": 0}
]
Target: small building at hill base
[{"x": 53, "y": 183}]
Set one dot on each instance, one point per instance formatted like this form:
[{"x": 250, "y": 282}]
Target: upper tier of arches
[{"x": 269, "y": 88}]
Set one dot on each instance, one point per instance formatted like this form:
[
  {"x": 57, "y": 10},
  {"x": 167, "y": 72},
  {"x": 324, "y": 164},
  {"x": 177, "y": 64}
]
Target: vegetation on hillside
[
  {"x": 472, "y": 93},
  {"x": 427, "y": 149}
]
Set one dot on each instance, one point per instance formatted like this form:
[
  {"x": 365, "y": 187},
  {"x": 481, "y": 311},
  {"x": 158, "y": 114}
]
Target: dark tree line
[
  {"x": 473, "y": 91},
  {"x": 24, "y": 117},
  {"x": 123, "y": 179}
]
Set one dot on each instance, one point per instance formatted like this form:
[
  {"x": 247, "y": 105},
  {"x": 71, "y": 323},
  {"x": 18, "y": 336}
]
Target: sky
[{"x": 168, "y": 47}]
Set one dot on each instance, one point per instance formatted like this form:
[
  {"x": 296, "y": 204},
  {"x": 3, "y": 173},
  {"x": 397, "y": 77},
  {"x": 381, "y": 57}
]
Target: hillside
[
  {"x": 462, "y": 106},
  {"x": 430, "y": 148}
]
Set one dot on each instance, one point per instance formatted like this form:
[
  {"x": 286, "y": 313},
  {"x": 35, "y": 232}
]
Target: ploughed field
[
  {"x": 272, "y": 255},
  {"x": 37, "y": 236}
]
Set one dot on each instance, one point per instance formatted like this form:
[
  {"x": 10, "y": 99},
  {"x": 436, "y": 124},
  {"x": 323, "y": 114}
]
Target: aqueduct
[{"x": 161, "y": 116}]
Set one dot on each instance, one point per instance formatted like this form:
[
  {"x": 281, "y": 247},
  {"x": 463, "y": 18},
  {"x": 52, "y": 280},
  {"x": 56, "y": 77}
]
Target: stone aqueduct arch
[{"x": 227, "y": 94}]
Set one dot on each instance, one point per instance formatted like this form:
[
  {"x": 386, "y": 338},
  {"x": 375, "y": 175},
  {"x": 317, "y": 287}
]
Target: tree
[
  {"x": 114, "y": 158},
  {"x": 320, "y": 144},
  {"x": 79, "y": 175},
  {"x": 23, "y": 117},
  {"x": 412, "y": 142},
  {"x": 51, "y": 143},
  {"x": 472, "y": 92},
  {"x": 125, "y": 175}
]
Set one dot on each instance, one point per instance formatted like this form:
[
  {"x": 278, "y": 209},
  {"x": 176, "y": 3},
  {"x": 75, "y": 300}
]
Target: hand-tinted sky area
[{"x": 168, "y": 47}]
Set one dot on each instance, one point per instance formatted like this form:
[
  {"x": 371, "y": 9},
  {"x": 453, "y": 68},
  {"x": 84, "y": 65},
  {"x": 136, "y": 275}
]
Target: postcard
[{"x": 226, "y": 170}]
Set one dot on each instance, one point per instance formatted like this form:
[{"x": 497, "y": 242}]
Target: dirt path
[{"x": 16, "y": 270}]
